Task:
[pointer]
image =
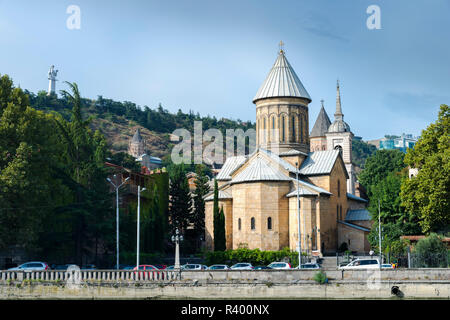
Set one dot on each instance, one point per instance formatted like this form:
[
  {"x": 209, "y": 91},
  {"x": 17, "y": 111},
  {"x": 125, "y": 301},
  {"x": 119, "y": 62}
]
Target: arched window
[
  {"x": 239, "y": 224},
  {"x": 337, "y": 212},
  {"x": 252, "y": 223},
  {"x": 265, "y": 129},
  {"x": 269, "y": 223},
  {"x": 301, "y": 128},
  {"x": 283, "y": 128},
  {"x": 293, "y": 129},
  {"x": 273, "y": 129},
  {"x": 339, "y": 188},
  {"x": 338, "y": 148}
]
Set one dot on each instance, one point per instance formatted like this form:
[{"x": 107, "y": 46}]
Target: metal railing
[{"x": 90, "y": 275}]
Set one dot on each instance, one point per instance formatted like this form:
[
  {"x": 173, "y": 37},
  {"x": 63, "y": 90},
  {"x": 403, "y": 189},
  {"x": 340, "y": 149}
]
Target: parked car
[
  {"x": 146, "y": 267},
  {"x": 310, "y": 266},
  {"x": 219, "y": 267},
  {"x": 262, "y": 268},
  {"x": 128, "y": 268},
  {"x": 89, "y": 267},
  {"x": 64, "y": 267},
  {"x": 387, "y": 266},
  {"x": 192, "y": 266},
  {"x": 125, "y": 267},
  {"x": 360, "y": 264},
  {"x": 32, "y": 266},
  {"x": 280, "y": 265},
  {"x": 242, "y": 266},
  {"x": 160, "y": 266},
  {"x": 170, "y": 268}
]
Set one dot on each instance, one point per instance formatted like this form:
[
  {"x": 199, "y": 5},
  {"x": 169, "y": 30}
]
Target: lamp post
[
  {"x": 138, "y": 224},
  {"x": 176, "y": 239},
  {"x": 117, "y": 217},
  {"x": 298, "y": 216}
]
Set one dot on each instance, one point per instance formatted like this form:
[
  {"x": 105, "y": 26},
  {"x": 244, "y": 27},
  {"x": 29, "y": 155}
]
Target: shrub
[
  {"x": 255, "y": 257},
  {"x": 320, "y": 277}
]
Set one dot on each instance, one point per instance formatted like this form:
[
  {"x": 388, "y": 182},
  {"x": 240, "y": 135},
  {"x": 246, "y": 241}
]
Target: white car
[
  {"x": 280, "y": 265},
  {"x": 219, "y": 267},
  {"x": 387, "y": 266},
  {"x": 242, "y": 266},
  {"x": 31, "y": 266},
  {"x": 191, "y": 266},
  {"x": 361, "y": 264}
]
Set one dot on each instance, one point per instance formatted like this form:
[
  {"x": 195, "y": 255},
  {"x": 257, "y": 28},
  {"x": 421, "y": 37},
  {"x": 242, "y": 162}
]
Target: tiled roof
[
  {"x": 282, "y": 82},
  {"x": 353, "y": 197},
  {"x": 222, "y": 195},
  {"x": 351, "y": 225},
  {"x": 259, "y": 169},
  {"x": 302, "y": 192},
  {"x": 319, "y": 162},
  {"x": 230, "y": 165},
  {"x": 357, "y": 215},
  {"x": 286, "y": 165}
]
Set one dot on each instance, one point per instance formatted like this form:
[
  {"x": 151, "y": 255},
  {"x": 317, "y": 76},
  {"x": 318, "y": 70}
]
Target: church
[{"x": 293, "y": 175}]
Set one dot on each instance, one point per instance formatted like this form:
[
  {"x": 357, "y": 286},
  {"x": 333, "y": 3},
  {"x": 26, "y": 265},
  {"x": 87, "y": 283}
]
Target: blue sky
[{"x": 212, "y": 56}]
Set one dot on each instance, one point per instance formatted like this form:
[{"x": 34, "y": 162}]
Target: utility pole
[
  {"x": 117, "y": 217},
  {"x": 138, "y": 224},
  {"x": 298, "y": 215}
]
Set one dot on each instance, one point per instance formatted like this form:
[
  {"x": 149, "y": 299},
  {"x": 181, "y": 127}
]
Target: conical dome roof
[
  {"x": 137, "y": 136},
  {"x": 321, "y": 125},
  {"x": 282, "y": 82}
]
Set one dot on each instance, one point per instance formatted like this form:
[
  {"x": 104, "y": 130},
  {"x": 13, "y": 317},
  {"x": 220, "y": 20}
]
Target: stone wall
[{"x": 290, "y": 284}]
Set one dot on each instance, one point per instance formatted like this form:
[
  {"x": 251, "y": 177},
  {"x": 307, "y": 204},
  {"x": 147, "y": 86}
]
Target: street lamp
[
  {"x": 176, "y": 239},
  {"x": 138, "y": 224},
  {"x": 117, "y": 217},
  {"x": 298, "y": 215}
]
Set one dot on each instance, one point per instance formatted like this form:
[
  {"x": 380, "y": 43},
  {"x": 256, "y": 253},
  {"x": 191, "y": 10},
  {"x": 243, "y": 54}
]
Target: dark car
[
  {"x": 89, "y": 267},
  {"x": 262, "y": 268}
]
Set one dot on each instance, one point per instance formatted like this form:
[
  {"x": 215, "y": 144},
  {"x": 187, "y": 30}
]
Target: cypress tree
[{"x": 219, "y": 222}]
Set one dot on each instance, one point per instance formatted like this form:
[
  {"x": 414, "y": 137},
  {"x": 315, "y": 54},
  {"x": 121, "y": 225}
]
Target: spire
[
  {"x": 338, "y": 115},
  {"x": 322, "y": 123},
  {"x": 339, "y": 125},
  {"x": 282, "y": 81}
]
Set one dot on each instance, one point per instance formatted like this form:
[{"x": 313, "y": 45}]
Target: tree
[
  {"x": 395, "y": 220},
  {"x": 378, "y": 166},
  {"x": 180, "y": 201},
  {"x": 85, "y": 174},
  {"x": 428, "y": 193},
  {"x": 219, "y": 222},
  {"x": 361, "y": 151},
  {"x": 29, "y": 162},
  {"x": 201, "y": 189},
  {"x": 430, "y": 252}
]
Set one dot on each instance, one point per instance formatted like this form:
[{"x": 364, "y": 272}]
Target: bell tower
[{"x": 282, "y": 109}]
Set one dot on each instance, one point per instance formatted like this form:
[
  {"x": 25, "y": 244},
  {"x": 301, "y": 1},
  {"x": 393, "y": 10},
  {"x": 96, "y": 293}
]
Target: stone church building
[{"x": 259, "y": 192}]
